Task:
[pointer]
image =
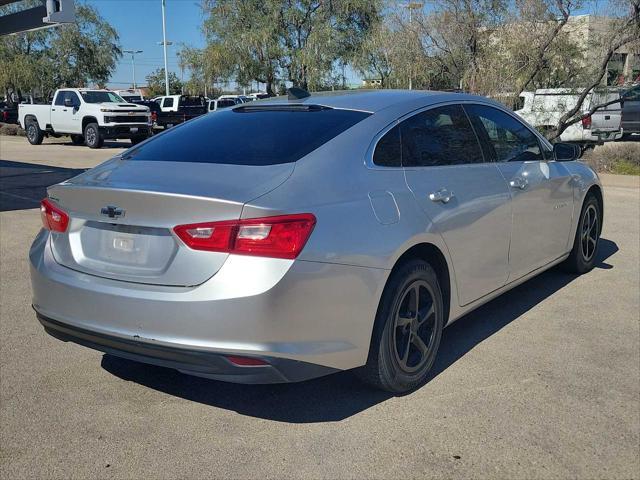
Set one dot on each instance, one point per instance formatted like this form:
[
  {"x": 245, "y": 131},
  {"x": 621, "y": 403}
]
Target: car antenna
[{"x": 296, "y": 93}]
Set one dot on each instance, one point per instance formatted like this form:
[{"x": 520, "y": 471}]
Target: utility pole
[
  {"x": 133, "y": 63},
  {"x": 164, "y": 46},
  {"x": 411, "y": 6}
]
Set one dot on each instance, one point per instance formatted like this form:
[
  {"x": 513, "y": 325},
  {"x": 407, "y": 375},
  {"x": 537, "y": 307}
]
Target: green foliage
[
  {"x": 156, "y": 84},
  {"x": 65, "y": 56},
  {"x": 270, "y": 40}
]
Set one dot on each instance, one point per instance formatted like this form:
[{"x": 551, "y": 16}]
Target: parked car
[
  {"x": 154, "y": 110},
  {"x": 258, "y": 95},
  {"x": 8, "y": 112},
  {"x": 346, "y": 235},
  {"x": 605, "y": 122},
  {"x": 630, "y": 122},
  {"x": 89, "y": 116},
  {"x": 192, "y": 105},
  {"x": 219, "y": 104},
  {"x": 544, "y": 108},
  {"x": 238, "y": 98},
  {"x": 131, "y": 95}
]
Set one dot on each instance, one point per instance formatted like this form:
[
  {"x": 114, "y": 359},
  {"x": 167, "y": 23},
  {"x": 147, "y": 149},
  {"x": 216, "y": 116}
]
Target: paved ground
[{"x": 543, "y": 382}]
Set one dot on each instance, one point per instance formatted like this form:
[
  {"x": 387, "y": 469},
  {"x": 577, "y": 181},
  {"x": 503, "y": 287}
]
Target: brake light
[
  {"x": 154, "y": 116},
  {"x": 586, "y": 123},
  {"x": 5, "y": 115},
  {"x": 279, "y": 237},
  {"x": 53, "y": 217}
]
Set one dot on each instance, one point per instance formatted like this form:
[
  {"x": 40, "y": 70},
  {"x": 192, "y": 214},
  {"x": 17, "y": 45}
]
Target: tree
[
  {"x": 156, "y": 84},
  {"x": 264, "y": 40},
  {"x": 67, "y": 55}
]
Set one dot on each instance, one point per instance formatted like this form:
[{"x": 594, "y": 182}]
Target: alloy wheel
[
  {"x": 32, "y": 132},
  {"x": 414, "y": 327},
  {"x": 90, "y": 136},
  {"x": 589, "y": 232}
]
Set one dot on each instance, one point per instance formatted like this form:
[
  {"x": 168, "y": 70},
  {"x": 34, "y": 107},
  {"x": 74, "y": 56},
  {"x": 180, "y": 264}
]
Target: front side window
[
  {"x": 60, "y": 98},
  {"x": 438, "y": 137},
  {"x": 507, "y": 139}
]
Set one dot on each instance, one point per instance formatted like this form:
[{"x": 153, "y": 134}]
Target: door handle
[
  {"x": 53, "y": 109},
  {"x": 519, "y": 182},
  {"x": 443, "y": 195}
]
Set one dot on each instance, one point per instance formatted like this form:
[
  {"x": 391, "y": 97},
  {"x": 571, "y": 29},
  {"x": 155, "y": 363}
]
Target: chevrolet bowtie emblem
[{"x": 112, "y": 212}]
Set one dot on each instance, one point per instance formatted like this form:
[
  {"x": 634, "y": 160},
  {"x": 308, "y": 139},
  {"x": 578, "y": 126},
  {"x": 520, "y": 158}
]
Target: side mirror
[{"x": 566, "y": 152}]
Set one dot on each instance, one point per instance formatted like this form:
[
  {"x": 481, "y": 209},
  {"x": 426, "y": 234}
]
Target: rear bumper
[
  {"x": 307, "y": 312},
  {"x": 193, "y": 362}
]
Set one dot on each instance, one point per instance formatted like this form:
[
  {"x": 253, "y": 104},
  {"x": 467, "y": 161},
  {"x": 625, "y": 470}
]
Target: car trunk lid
[{"x": 122, "y": 216}]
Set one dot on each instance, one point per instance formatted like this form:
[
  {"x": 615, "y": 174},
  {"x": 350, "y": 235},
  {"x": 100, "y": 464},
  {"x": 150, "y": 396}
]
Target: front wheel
[
  {"x": 582, "y": 258},
  {"x": 407, "y": 330},
  {"x": 92, "y": 136}
]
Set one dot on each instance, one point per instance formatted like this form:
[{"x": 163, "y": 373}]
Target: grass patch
[
  {"x": 621, "y": 158},
  {"x": 11, "y": 130}
]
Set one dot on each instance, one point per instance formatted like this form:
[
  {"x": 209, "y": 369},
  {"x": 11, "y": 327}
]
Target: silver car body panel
[{"x": 319, "y": 308}]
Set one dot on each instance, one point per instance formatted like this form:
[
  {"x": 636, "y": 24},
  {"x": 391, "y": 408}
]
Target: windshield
[
  {"x": 101, "y": 97},
  {"x": 279, "y": 134}
]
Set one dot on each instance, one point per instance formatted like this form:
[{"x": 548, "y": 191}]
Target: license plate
[
  {"x": 133, "y": 129},
  {"x": 123, "y": 244}
]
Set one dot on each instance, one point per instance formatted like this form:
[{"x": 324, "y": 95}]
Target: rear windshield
[{"x": 249, "y": 136}]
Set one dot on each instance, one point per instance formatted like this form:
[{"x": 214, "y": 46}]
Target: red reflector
[
  {"x": 279, "y": 237},
  {"x": 154, "y": 116},
  {"x": 586, "y": 123},
  {"x": 5, "y": 115},
  {"x": 53, "y": 217},
  {"x": 246, "y": 361}
]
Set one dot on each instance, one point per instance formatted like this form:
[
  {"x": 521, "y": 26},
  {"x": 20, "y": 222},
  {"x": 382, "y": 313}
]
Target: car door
[
  {"x": 541, "y": 189},
  {"x": 465, "y": 197},
  {"x": 65, "y": 118}
]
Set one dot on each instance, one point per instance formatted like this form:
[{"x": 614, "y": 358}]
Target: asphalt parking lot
[{"x": 543, "y": 382}]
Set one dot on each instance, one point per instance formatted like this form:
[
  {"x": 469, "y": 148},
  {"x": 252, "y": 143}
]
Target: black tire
[
  {"x": 583, "y": 255},
  {"x": 92, "y": 136},
  {"x": 137, "y": 139},
  {"x": 390, "y": 365},
  {"x": 35, "y": 135},
  {"x": 77, "y": 139}
]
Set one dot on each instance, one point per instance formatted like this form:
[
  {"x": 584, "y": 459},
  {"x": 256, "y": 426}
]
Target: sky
[{"x": 139, "y": 24}]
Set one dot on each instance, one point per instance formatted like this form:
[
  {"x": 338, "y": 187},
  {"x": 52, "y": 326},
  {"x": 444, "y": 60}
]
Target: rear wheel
[
  {"x": 35, "y": 135},
  {"x": 407, "y": 330},
  {"x": 92, "y": 136},
  {"x": 585, "y": 244},
  {"x": 77, "y": 139}
]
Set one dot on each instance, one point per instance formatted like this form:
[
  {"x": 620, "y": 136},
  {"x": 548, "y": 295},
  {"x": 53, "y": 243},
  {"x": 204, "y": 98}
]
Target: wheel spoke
[
  {"x": 405, "y": 355},
  {"x": 425, "y": 315},
  {"x": 403, "y": 320},
  {"x": 420, "y": 345}
]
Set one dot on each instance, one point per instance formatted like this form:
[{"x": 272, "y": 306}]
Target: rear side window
[
  {"x": 509, "y": 139},
  {"x": 437, "y": 137},
  {"x": 249, "y": 136},
  {"x": 387, "y": 153},
  {"x": 168, "y": 102}
]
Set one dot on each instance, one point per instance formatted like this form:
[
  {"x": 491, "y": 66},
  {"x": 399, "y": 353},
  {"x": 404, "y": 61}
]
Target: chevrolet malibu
[{"x": 290, "y": 238}]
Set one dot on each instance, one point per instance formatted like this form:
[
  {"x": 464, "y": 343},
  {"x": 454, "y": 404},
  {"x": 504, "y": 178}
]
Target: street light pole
[
  {"x": 133, "y": 63},
  {"x": 411, "y": 6},
  {"x": 164, "y": 46}
]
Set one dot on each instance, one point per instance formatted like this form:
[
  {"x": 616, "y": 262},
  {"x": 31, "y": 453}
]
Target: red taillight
[
  {"x": 5, "y": 115},
  {"x": 154, "y": 116},
  {"x": 246, "y": 361},
  {"x": 586, "y": 123},
  {"x": 53, "y": 218},
  {"x": 279, "y": 237}
]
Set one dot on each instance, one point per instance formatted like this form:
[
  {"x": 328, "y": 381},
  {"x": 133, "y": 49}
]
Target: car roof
[{"x": 373, "y": 100}]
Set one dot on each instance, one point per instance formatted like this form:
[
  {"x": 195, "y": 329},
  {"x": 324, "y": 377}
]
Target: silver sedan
[{"x": 286, "y": 239}]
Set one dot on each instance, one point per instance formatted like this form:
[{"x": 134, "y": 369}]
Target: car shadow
[
  {"x": 23, "y": 185},
  {"x": 341, "y": 395}
]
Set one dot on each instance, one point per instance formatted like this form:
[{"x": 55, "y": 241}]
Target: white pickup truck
[{"x": 89, "y": 116}]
